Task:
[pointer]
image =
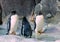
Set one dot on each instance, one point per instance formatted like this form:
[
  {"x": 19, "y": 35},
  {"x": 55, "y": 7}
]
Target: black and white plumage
[
  {"x": 39, "y": 22},
  {"x": 13, "y": 23},
  {"x": 26, "y": 28},
  {"x": 39, "y": 25}
]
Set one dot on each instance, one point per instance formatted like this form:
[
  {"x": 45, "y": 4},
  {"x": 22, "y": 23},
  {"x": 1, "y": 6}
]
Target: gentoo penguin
[
  {"x": 13, "y": 23},
  {"x": 39, "y": 24},
  {"x": 26, "y": 30}
]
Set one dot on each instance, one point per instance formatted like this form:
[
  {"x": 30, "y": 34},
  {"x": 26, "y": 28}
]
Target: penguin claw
[{"x": 40, "y": 32}]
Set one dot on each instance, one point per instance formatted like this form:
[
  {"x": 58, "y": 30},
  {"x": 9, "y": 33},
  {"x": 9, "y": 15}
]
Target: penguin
[
  {"x": 39, "y": 24},
  {"x": 26, "y": 30},
  {"x": 13, "y": 23}
]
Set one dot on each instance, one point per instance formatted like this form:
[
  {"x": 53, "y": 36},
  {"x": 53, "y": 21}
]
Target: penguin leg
[
  {"x": 40, "y": 31},
  {"x": 12, "y": 33}
]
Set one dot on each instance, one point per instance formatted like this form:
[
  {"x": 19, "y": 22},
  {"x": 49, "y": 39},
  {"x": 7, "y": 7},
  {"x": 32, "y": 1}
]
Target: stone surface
[{"x": 23, "y": 7}]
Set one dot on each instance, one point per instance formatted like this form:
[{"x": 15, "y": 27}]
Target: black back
[
  {"x": 8, "y": 24},
  {"x": 26, "y": 28}
]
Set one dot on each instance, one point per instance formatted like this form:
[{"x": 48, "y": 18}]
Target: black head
[
  {"x": 13, "y": 12},
  {"x": 24, "y": 18},
  {"x": 24, "y": 21},
  {"x": 40, "y": 13}
]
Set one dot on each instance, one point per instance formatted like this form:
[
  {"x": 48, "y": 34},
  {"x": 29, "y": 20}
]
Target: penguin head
[
  {"x": 13, "y": 12},
  {"x": 24, "y": 21},
  {"x": 40, "y": 13}
]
